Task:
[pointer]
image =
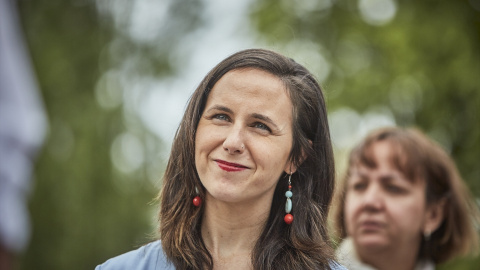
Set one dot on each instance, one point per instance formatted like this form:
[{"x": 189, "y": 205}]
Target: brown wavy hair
[
  {"x": 420, "y": 159},
  {"x": 302, "y": 245}
]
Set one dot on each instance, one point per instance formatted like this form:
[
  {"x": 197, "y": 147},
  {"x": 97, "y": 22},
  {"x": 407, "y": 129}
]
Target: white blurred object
[{"x": 23, "y": 126}]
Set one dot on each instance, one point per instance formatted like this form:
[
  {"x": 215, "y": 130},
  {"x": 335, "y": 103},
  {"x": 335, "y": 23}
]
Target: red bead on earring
[
  {"x": 288, "y": 219},
  {"x": 197, "y": 201}
]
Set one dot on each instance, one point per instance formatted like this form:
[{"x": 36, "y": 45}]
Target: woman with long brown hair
[
  {"x": 403, "y": 205},
  {"x": 250, "y": 176}
]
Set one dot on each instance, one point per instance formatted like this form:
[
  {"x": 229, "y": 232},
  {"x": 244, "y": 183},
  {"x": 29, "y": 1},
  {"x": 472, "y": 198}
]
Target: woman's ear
[
  {"x": 434, "y": 216},
  {"x": 290, "y": 168}
]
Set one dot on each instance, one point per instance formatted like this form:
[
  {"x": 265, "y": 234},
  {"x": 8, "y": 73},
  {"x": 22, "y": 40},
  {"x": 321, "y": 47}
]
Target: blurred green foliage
[
  {"x": 422, "y": 67},
  {"x": 83, "y": 210}
]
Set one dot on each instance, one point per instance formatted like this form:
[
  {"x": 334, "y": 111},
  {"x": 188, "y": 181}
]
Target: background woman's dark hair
[
  {"x": 304, "y": 243},
  {"x": 420, "y": 159}
]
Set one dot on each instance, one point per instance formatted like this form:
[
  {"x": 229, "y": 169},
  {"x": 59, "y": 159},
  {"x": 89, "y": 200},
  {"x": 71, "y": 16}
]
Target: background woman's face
[
  {"x": 244, "y": 137},
  {"x": 383, "y": 209}
]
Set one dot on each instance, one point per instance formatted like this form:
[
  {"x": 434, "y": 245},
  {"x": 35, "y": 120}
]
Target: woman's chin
[
  {"x": 224, "y": 196},
  {"x": 371, "y": 243}
]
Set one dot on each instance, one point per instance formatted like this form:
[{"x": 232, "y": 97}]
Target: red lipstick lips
[{"x": 230, "y": 167}]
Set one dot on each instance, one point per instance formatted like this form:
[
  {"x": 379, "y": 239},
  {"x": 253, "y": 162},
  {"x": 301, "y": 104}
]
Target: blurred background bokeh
[{"x": 115, "y": 76}]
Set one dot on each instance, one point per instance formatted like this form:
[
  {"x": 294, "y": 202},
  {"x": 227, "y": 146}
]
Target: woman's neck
[
  {"x": 230, "y": 232},
  {"x": 397, "y": 259}
]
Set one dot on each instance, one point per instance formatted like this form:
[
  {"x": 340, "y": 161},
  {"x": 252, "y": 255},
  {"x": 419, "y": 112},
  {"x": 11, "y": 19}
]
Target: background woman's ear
[{"x": 434, "y": 216}]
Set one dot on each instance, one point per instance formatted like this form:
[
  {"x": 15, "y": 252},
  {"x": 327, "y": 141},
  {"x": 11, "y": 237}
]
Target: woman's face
[
  {"x": 383, "y": 209},
  {"x": 244, "y": 137}
]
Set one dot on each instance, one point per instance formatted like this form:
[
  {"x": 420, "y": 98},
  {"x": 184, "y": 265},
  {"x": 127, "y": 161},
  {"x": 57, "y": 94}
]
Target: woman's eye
[
  {"x": 262, "y": 126},
  {"x": 359, "y": 186},
  {"x": 221, "y": 117},
  {"x": 394, "y": 189}
]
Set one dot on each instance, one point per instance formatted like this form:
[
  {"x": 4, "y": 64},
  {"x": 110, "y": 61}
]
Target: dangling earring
[
  {"x": 426, "y": 235},
  {"x": 288, "y": 205},
  {"x": 197, "y": 201}
]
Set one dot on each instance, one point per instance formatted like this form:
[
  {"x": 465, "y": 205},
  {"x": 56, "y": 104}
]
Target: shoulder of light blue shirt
[{"x": 151, "y": 257}]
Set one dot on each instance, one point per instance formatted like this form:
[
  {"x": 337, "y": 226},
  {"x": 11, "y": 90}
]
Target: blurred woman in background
[
  {"x": 251, "y": 174},
  {"x": 403, "y": 205}
]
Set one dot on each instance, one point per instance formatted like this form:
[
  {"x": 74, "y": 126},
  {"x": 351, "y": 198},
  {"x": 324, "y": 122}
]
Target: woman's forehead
[{"x": 396, "y": 157}]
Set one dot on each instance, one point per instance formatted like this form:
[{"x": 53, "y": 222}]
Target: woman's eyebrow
[
  {"x": 387, "y": 178},
  {"x": 220, "y": 108},
  {"x": 390, "y": 177}
]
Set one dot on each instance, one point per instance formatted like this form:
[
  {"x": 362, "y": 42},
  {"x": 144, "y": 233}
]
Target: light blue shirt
[{"x": 150, "y": 257}]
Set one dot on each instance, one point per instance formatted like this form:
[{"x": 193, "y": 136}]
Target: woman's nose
[
  {"x": 234, "y": 141},
  {"x": 373, "y": 198}
]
